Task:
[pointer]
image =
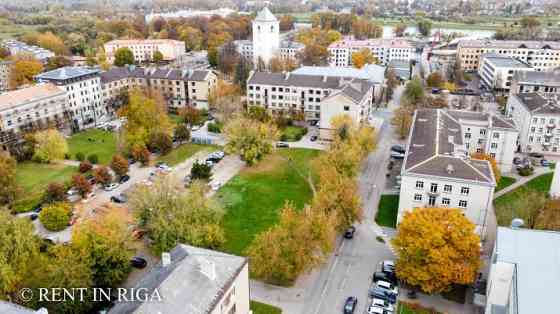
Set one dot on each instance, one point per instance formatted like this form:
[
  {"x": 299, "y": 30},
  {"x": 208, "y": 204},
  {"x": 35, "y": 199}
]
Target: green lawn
[
  {"x": 262, "y": 308},
  {"x": 411, "y": 308},
  {"x": 253, "y": 198},
  {"x": 183, "y": 152},
  {"x": 103, "y": 143},
  {"x": 175, "y": 118},
  {"x": 292, "y": 133},
  {"x": 33, "y": 179},
  {"x": 504, "y": 183},
  {"x": 387, "y": 211}
]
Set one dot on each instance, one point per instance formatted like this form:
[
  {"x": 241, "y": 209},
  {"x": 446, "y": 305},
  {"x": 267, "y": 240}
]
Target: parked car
[
  {"x": 33, "y": 216},
  {"x": 377, "y": 310},
  {"x": 350, "y": 305},
  {"x": 313, "y": 138},
  {"x": 124, "y": 179},
  {"x": 282, "y": 145},
  {"x": 388, "y": 267},
  {"x": 138, "y": 262},
  {"x": 383, "y": 294},
  {"x": 398, "y": 149},
  {"x": 72, "y": 191},
  {"x": 383, "y": 304},
  {"x": 163, "y": 167},
  {"x": 111, "y": 186},
  {"x": 216, "y": 156},
  {"x": 91, "y": 179},
  {"x": 38, "y": 208},
  {"x": 389, "y": 286},
  {"x": 379, "y": 275},
  {"x": 397, "y": 156},
  {"x": 545, "y": 163},
  {"x": 349, "y": 233},
  {"x": 121, "y": 198},
  {"x": 131, "y": 161},
  {"x": 187, "y": 180},
  {"x": 517, "y": 161}
]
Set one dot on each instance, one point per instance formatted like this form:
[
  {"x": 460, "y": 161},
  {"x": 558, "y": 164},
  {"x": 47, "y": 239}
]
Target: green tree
[
  {"x": 182, "y": 133},
  {"x": 8, "y": 185},
  {"x": 50, "y": 146},
  {"x": 435, "y": 79},
  {"x": 56, "y": 216},
  {"x": 424, "y": 27},
  {"x": 161, "y": 142},
  {"x": 123, "y": 56},
  {"x": 414, "y": 92},
  {"x": 201, "y": 170},
  {"x": 252, "y": 140},
  {"x": 157, "y": 57}
]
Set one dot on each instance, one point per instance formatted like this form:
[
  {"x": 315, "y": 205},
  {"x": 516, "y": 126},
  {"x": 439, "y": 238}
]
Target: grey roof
[
  {"x": 182, "y": 286},
  {"x": 12, "y": 308},
  {"x": 291, "y": 44},
  {"x": 549, "y": 78},
  {"x": 265, "y": 16},
  {"x": 118, "y": 73},
  {"x": 509, "y": 44},
  {"x": 505, "y": 62},
  {"x": 495, "y": 121},
  {"x": 372, "y": 72},
  {"x": 436, "y": 148},
  {"x": 66, "y": 73},
  {"x": 536, "y": 103},
  {"x": 536, "y": 256}
]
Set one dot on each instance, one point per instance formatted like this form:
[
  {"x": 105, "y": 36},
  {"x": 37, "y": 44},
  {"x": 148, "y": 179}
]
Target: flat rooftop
[
  {"x": 40, "y": 91},
  {"x": 506, "y": 62}
]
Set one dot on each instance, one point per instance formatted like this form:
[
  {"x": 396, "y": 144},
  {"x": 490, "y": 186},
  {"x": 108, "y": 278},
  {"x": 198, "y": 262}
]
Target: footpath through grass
[
  {"x": 504, "y": 183},
  {"x": 387, "y": 211},
  {"x": 253, "y": 198},
  {"x": 183, "y": 152},
  {"x": 262, "y": 308},
  {"x": 33, "y": 178},
  {"x": 94, "y": 141}
]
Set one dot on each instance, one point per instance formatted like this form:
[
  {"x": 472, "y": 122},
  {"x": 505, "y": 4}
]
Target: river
[{"x": 388, "y": 31}]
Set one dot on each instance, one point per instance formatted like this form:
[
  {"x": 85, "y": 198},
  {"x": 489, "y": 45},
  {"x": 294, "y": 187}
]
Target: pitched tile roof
[{"x": 265, "y": 16}]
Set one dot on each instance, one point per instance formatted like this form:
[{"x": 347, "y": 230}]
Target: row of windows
[
  {"x": 447, "y": 188},
  {"x": 445, "y": 201}
]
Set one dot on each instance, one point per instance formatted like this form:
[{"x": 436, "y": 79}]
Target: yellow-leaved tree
[
  {"x": 363, "y": 57},
  {"x": 436, "y": 248},
  {"x": 495, "y": 169}
]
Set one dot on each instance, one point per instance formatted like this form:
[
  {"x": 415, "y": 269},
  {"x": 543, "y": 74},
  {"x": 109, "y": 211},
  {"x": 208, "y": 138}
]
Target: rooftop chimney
[
  {"x": 450, "y": 169},
  {"x": 165, "y": 259},
  {"x": 207, "y": 268}
]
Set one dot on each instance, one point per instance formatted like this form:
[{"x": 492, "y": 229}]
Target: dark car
[
  {"x": 124, "y": 178},
  {"x": 379, "y": 275},
  {"x": 545, "y": 163},
  {"x": 536, "y": 155},
  {"x": 91, "y": 179},
  {"x": 349, "y": 233},
  {"x": 121, "y": 198},
  {"x": 131, "y": 161},
  {"x": 381, "y": 293},
  {"x": 38, "y": 208},
  {"x": 398, "y": 148},
  {"x": 313, "y": 138},
  {"x": 33, "y": 216},
  {"x": 282, "y": 145},
  {"x": 517, "y": 161},
  {"x": 138, "y": 262},
  {"x": 350, "y": 305}
]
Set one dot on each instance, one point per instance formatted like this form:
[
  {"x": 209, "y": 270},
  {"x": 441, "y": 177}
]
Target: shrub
[
  {"x": 160, "y": 142},
  {"x": 119, "y": 165},
  {"x": 141, "y": 154},
  {"x": 56, "y": 217},
  {"x": 201, "y": 171},
  {"x": 67, "y": 156},
  {"x": 214, "y": 128},
  {"x": 93, "y": 158},
  {"x": 85, "y": 166},
  {"x": 80, "y": 156},
  {"x": 526, "y": 171},
  {"x": 56, "y": 192}
]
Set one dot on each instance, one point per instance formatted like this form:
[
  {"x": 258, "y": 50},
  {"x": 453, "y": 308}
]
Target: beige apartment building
[
  {"x": 144, "y": 49},
  {"x": 541, "y": 55},
  {"x": 5, "y": 69}
]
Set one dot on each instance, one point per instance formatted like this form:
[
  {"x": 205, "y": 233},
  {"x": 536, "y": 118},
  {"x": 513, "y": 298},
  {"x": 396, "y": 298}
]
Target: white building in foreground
[
  {"x": 386, "y": 50},
  {"x": 496, "y": 72}
]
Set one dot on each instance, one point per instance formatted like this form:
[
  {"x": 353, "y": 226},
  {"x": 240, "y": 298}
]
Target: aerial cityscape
[{"x": 279, "y": 157}]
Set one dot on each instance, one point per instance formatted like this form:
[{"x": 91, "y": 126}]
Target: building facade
[
  {"x": 547, "y": 84},
  {"x": 144, "y": 49},
  {"x": 496, "y": 72},
  {"x": 5, "y": 70},
  {"x": 83, "y": 90},
  {"x": 386, "y": 50},
  {"x": 538, "y": 122},
  {"x": 17, "y": 47},
  {"x": 541, "y": 55},
  {"x": 31, "y": 108},
  {"x": 437, "y": 170},
  {"x": 179, "y": 88}
]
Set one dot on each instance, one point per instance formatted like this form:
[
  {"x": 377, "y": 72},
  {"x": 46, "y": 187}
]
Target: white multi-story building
[
  {"x": 496, "y": 72},
  {"x": 5, "y": 70},
  {"x": 83, "y": 89},
  {"x": 195, "y": 281},
  {"x": 541, "y": 55},
  {"x": 386, "y": 50},
  {"x": 538, "y": 122},
  {"x": 144, "y": 49},
  {"x": 437, "y": 170},
  {"x": 547, "y": 84},
  {"x": 317, "y": 97},
  {"x": 31, "y": 108},
  {"x": 17, "y": 47}
]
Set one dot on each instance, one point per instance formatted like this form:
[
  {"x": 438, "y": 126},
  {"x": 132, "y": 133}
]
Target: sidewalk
[{"x": 522, "y": 181}]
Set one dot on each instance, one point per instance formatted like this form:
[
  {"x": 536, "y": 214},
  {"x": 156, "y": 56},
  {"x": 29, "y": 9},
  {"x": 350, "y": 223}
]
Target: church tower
[{"x": 266, "y": 36}]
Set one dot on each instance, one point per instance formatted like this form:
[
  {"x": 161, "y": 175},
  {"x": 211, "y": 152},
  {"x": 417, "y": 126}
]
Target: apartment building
[
  {"x": 547, "y": 84},
  {"x": 538, "y": 122},
  {"x": 31, "y": 108},
  {"x": 5, "y": 69},
  {"x": 541, "y": 55},
  {"x": 178, "y": 87},
  {"x": 17, "y": 47},
  {"x": 524, "y": 272},
  {"x": 144, "y": 49},
  {"x": 83, "y": 90},
  {"x": 386, "y": 50},
  {"x": 318, "y": 97},
  {"x": 195, "y": 281},
  {"x": 496, "y": 72},
  {"x": 437, "y": 170}
]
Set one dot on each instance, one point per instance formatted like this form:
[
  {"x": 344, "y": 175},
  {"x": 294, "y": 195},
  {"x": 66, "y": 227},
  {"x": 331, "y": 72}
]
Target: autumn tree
[
  {"x": 160, "y": 142},
  {"x": 119, "y": 165},
  {"x": 225, "y": 98},
  {"x": 85, "y": 166},
  {"x": 362, "y": 29},
  {"x": 399, "y": 29},
  {"x": 123, "y": 56},
  {"x": 363, "y": 57},
  {"x": 435, "y": 79},
  {"x": 196, "y": 219},
  {"x": 436, "y": 248},
  {"x": 402, "y": 121},
  {"x": 53, "y": 43},
  {"x": 192, "y": 37},
  {"x": 140, "y": 153},
  {"x": 56, "y": 192},
  {"x": 286, "y": 23},
  {"x": 279, "y": 64},
  {"x": 50, "y": 146},
  {"x": 57, "y": 62},
  {"x": 81, "y": 184},
  {"x": 252, "y": 140},
  {"x": 102, "y": 175},
  {"x": 182, "y": 133},
  {"x": 8, "y": 185},
  {"x": 55, "y": 217},
  {"x": 191, "y": 115},
  {"x": 23, "y": 69},
  {"x": 228, "y": 58},
  {"x": 549, "y": 217},
  {"x": 392, "y": 83},
  {"x": 493, "y": 164}
]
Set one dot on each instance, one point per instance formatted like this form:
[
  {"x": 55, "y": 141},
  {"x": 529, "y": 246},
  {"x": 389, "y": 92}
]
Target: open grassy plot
[
  {"x": 504, "y": 183},
  {"x": 262, "y": 308},
  {"x": 412, "y": 308},
  {"x": 183, "y": 152},
  {"x": 33, "y": 179},
  {"x": 387, "y": 211},
  {"x": 292, "y": 133},
  {"x": 253, "y": 198},
  {"x": 175, "y": 118},
  {"x": 94, "y": 141}
]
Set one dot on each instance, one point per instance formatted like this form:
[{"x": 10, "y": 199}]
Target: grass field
[
  {"x": 102, "y": 143},
  {"x": 183, "y": 152},
  {"x": 292, "y": 133},
  {"x": 262, "y": 308},
  {"x": 175, "y": 118},
  {"x": 33, "y": 179},
  {"x": 387, "y": 211},
  {"x": 540, "y": 183},
  {"x": 504, "y": 183},
  {"x": 253, "y": 198},
  {"x": 10, "y": 30},
  {"x": 411, "y": 308}
]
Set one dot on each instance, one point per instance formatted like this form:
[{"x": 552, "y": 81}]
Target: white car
[
  {"x": 72, "y": 191},
  {"x": 164, "y": 167},
  {"x": 388, "y": 286},
  {"x": 111, "y": 187},
  {"x": 195, "y": 128},
  {"x": 383, "y": 304},
  {"x": 376, "y": 310}
]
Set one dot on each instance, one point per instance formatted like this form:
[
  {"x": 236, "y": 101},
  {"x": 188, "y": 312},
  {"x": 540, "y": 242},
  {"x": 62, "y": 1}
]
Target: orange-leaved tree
[
  {"x": 495, "y": 169},
  {"x": 436, "y": 248}
]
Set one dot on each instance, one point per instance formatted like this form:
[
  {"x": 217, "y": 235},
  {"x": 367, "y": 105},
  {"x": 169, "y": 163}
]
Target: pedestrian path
[{"x": 522, "y": 181}]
